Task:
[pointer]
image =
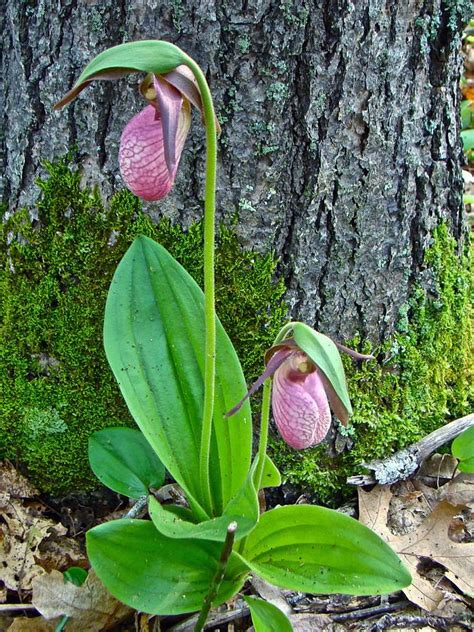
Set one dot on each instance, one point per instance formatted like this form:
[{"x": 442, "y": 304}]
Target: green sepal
[
  {"x": 324, "y": 353},
  {"x": 155, "y": 574},
  {"x": 463, "y": 449},
  {"x": 123, "y": 460},
  {"x": 173, "y": 526},
  {"x": 266, "y": 617},
  {"x": 154, "y": 56},
  {"x": 318, "y": 550}
]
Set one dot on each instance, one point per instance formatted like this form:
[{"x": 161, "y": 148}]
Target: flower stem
[
  {"x": 218, "y": 576},
  {"x": 265, "y": 415},
  {"x": 209, "y": 283},
  {"x": 263, "y": 438}
]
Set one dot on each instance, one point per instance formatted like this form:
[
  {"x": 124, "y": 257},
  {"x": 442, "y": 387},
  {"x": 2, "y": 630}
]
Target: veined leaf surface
[
  {"x": 154, "y": 341},
  {"x": 155, "y": 574},
  {"x": 313, "y": 549}
]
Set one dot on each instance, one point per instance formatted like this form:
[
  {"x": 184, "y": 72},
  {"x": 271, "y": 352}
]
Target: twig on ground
[
  {"x": 366, "y": 613},
  {"x": 16, "y": 607},
  {"x": 135, "y": 510},
  {"x": 404, "y": 463},
  {"x": 215, "y": 619},
  {"x": 418, "y": 621}
]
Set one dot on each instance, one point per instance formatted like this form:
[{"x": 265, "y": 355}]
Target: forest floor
[{"x": 428, "y": 520}]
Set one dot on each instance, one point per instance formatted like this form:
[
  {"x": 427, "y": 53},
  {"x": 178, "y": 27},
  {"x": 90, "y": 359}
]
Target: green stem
[
  {"x": 209, "y": 284},
  {"x": 265, "y": 414},
  {"x": 218, "y": 576},
  {"x": 262, "y": 441}
]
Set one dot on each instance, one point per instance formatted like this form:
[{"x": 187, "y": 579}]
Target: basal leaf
[
  {"x": 312, "y": 549},
  {"x": 173, "y": 526},
  {"x": 324, "y": 353},
  {"x": 266, "y": 617},
  {"x": 155, "y": 56},
  {"x": 154, "y": 341},
  {"x": 155, "y": 574},
  {"x": 122, "y": 459},
  {"x": 463, "y": 449}
]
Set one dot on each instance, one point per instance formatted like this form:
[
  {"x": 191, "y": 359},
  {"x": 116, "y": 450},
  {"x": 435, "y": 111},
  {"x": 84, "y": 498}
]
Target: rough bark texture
[{"x": 340, "y": 145}]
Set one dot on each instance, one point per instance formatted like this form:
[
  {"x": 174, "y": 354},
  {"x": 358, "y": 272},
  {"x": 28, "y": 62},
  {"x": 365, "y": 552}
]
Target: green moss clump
[
  {"x": 424, "y": 378},
  {"x": 56, "y": 387}
]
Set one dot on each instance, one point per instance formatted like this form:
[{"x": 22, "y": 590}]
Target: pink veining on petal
[
  {"x": 141, "y": 155},
  {"x": 300, "y": 405}
]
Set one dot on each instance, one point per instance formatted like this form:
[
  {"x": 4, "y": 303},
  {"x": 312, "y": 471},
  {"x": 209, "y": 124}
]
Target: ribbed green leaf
[
  {"x": 173, "y": 526},
  {"x": 266, "y": 617},
  {"x": 312, "y": 549},
  {"x": 154, "y": 341},
  {"x": 122, "y": 459},
  {"x": 324, "y": 353},
  {"x": 463, "y": 449},
  {"x": 155, "y": 574},
  {"x": 155, "y": 56}
]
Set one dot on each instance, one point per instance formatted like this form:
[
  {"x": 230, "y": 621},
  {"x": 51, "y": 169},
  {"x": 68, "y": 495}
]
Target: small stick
[
  {"x": 404, "y": 463},
  {"x": 218, "y": 577},
  {"x": 366, "y": 613},
  {"x": 215, "y": 619},
  {"x": 16, "y": 607},
  {"x": 419, "y": 621},
  {"x": 137, "y": 507}
]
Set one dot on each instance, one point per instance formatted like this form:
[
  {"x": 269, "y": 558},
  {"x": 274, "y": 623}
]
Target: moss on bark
[
  {"x": 56, "y": 387},
  {"x": 423, "y": 377}
]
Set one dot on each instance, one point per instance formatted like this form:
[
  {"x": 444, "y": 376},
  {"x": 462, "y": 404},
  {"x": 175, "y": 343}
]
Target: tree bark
[{"x": 340, "y": 146}]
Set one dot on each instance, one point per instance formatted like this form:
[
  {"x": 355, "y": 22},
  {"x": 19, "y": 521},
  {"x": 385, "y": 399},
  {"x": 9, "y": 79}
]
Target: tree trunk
[{"x": 340, "y": 146}]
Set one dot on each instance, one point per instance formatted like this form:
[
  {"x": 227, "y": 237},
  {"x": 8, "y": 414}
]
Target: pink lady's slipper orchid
[
  {"x": 301, "y": 395},
  {"x": 153, "y": 140}
]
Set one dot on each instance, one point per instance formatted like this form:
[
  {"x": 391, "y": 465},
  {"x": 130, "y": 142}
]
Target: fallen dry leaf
[
  {"x": 32, "y": 624},
  {"x": 90, "y": 606},
  {"x": 429, "y": 540},
  {"x": 14, "y": 484},
  {"x": 27, "y": 539}
]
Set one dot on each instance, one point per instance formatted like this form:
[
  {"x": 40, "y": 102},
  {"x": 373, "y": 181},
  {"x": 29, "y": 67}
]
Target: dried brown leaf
[
  {"x": 25, "y": 535},
  {"x": 428, "y": 540},
  {"x": 14, "y": 484},
  {"x": 32, "y": 624},
  {"x": 90, "y": 606}
]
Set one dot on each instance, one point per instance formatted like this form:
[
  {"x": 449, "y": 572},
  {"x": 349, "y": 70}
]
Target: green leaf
[
  {"x": 122, "y": 459},
  {"x": 467, "y": 114},
  {"x": 173, "y": 526},
  {"x": 154, "y": 341},
  {"x": 155, "y": 574},
  {"x": 324, "y": 353},
  {"x": 75, "y": 575},
  {"x": 467, "y": 137},
  {"x": 468, "y": 198},
  {"x": 155, "y": 56},
  {"x": 266, "y": 617},
  {"x": 463, "y": 449},
  {"x": 271, "y": 476},
  {"x": 313, "y": 549}
]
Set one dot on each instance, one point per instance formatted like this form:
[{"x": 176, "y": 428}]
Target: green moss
[
  {"x": 424, "y": 377},
  {"x": 56, "y": 387}
]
